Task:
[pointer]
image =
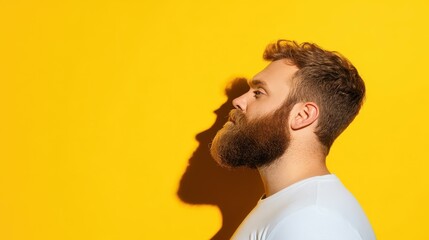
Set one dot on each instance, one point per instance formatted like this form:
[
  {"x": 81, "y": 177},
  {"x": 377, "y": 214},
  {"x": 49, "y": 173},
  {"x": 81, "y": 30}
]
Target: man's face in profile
[{"x": 257, "y": 133}]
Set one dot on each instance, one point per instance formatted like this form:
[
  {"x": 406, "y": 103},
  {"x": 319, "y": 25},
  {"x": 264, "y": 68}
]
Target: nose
[{"x": 240, "y": 103}]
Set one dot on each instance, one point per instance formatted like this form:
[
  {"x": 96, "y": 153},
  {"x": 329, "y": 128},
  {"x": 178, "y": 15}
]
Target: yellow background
[{"x": 101, "y": 103}]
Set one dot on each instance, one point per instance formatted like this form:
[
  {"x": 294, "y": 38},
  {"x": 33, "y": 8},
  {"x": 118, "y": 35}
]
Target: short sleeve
[{"x": 313, "y": 223}]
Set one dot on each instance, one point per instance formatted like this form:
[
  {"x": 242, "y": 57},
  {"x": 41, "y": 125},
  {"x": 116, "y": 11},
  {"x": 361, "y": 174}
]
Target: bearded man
[{"x": 284, "y": 127}]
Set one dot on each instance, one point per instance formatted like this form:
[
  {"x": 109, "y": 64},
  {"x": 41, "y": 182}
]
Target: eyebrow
[{"x": 257, "y": 82}]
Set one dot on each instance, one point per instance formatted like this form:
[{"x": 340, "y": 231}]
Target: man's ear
[{"x": 307, "y": 113}]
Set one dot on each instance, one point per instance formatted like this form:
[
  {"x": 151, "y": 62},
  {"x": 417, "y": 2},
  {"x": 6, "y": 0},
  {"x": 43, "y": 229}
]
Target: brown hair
[{"x": 326, "y": 78}]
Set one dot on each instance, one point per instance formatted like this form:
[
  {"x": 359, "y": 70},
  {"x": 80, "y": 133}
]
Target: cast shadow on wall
[{"x": 234, "y": 192}]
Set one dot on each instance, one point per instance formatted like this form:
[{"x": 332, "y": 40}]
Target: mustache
[{"x": 236, "y": 116}]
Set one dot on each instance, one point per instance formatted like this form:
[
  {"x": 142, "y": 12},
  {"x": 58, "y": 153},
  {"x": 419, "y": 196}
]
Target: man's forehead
[{"x": 279, "y": 69}]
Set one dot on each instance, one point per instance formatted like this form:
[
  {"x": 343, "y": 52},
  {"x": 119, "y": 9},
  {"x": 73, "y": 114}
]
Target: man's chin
[
  {"x": 229, "y": 164},
  {"x": 219, "y": 160}
]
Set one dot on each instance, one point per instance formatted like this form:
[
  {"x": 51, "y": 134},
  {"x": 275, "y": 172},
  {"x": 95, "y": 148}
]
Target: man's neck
[{"x": 290, "y": 169}]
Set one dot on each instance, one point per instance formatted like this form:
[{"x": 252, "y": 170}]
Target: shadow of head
[{"x": 236, "y": 191}]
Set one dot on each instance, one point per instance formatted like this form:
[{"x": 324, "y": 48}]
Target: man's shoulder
[
  {"x": 314, "y": 222},
  {"x": 311, "y": 222},
  {"x": 325, "y": 192},
  {"x": 312, "y": 209},
  {"x": 322, "y": 207}
]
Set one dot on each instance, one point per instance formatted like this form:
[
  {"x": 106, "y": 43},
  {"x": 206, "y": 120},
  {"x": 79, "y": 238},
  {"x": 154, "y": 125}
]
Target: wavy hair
[{"x": 326, "y": 78}]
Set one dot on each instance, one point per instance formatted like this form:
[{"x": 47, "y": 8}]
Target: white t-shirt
[{"x": 317, "y": 208}]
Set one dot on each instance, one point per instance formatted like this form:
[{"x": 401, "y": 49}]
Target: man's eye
[{"x": 257, "y": 93}]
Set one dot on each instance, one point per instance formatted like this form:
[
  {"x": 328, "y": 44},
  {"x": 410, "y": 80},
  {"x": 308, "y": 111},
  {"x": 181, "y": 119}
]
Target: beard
[{"x": 256, "y": 143}]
